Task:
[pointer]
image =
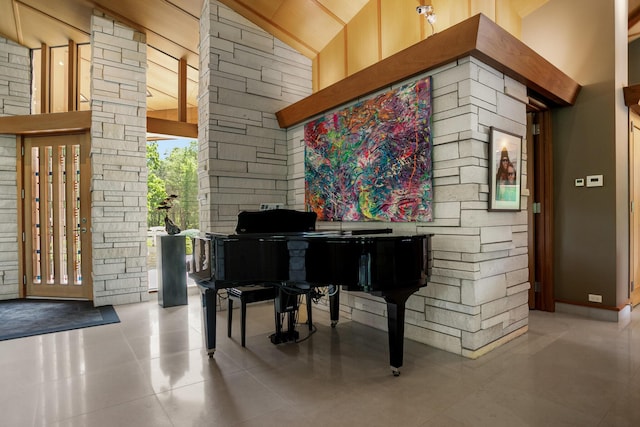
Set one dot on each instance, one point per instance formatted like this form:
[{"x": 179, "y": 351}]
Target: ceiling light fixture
[{"x": 429, "y": 14}]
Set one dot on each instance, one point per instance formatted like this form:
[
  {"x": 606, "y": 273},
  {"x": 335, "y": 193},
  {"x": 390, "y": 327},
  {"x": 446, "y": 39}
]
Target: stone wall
[
  {"x": 477, "y": 295},
  {"x": 15, "y": 99},
  {"x": 118, "y": 162},
  {"x": 246, "y": 76}
]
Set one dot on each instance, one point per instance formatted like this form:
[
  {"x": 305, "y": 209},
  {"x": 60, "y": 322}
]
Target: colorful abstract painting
[{"x": 372, "y": 161}]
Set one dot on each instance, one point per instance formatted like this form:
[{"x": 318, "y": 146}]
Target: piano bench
[{"x": 246, "y": 295}]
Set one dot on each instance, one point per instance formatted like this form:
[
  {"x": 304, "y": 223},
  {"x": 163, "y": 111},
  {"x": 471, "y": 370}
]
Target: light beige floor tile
[
  {"x": 220, "y": 402},
  {"x": 145, "y": 412},
  {"x": 177, "y": 370},
  {"x": 151, "y": 369},
  {"x": 69, "y": 397}
]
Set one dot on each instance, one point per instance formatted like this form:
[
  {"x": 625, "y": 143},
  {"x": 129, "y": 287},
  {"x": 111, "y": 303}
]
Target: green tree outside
[{"x": 177, "y": 174}]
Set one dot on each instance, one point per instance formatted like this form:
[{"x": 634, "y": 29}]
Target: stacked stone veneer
[
  {"x": 246, "y": 76},
  {"x": 478, "y": 292},
  {"x": 118, "y": 162},
  {"x": 15, "y": 99},
  {"x": 477, "y": 295}
]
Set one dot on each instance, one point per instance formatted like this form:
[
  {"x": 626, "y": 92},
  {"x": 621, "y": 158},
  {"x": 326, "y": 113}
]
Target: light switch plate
[
  {"x": 595, "y": 181},
  {"x": 579, "y": 182}
]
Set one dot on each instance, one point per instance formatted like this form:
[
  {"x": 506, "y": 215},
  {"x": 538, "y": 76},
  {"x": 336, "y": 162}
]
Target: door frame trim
[
  {"x": 37, "y": 125},
  {"x": 633, "y": 295},
  {"x": 541, "y": 226}
]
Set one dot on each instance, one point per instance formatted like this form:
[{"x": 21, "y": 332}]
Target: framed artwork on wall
[
  {"x": 505, "y": 170},
  {"x": 372, "y": 161}
]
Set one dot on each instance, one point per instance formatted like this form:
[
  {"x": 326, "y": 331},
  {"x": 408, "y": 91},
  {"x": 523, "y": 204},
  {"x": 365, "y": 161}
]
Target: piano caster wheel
[
  {"x": 334, "y": 323},
  {"x": 395, "y": 372},
  {"x": 210, "y": 353}
]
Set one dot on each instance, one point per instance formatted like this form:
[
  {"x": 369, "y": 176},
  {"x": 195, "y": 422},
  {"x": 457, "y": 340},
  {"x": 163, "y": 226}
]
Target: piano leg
[
  {"x": 307, "y": 297},
  {"x": 395, "y": 320},
  {"x": 334, "y": 304},
  {"x": 209, "y": 295}
]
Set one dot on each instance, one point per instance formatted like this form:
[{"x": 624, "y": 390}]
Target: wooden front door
[{"x": 56, "y": 207}]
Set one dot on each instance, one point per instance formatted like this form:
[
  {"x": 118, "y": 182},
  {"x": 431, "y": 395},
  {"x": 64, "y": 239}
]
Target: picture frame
[{"x": 505, "y": 170}]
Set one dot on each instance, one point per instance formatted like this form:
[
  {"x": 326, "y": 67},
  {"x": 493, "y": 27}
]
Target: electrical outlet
[
  {"x": 594, "y": 181},
  {"x": 595, "y": 298}
]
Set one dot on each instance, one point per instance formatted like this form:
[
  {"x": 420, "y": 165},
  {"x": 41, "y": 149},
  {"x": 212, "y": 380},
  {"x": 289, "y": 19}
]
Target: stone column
[
  {"x": 118, "y": 162},
  {"x": 246, "y": 76},
  {"x": 15, "y": 99}
]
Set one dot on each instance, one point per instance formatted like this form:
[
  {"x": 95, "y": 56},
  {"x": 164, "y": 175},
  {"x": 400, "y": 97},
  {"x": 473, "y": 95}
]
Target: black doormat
[{"x": 27, "y": 317}]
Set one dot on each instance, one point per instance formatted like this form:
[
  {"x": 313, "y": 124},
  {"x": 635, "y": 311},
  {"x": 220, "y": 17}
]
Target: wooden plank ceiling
[
  {"x": 306, "y": 25},
  {"x": 172, "y": 26}
]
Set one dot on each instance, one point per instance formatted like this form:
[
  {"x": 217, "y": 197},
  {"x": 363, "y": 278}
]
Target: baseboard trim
[{"x": 621, "y": 314}]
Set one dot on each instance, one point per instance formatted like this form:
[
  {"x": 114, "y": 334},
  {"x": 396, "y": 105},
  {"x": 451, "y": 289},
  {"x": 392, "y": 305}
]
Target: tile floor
[{"x": 150, "y": 370}]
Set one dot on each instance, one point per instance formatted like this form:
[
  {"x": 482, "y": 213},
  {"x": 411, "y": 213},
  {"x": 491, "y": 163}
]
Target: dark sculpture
[{"x": 165, "y": 206}]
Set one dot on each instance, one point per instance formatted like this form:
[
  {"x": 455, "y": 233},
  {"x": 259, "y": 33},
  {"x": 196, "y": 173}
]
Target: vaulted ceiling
[{"x": 172, "y": 25}]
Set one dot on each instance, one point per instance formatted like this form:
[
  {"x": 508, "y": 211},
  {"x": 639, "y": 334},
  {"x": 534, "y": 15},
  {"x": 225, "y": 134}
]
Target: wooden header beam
[
  {"x": 77, "y": 121},
  {"x": 74, "y": 121},
  {"x": 170, "y": 127},
  {"x": 477, "y": 36}
]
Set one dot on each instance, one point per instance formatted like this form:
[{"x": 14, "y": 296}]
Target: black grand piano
[{"x": 378, "y": 262}]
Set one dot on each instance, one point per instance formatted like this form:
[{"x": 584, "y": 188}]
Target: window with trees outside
[{"x": 173, "y": 172}]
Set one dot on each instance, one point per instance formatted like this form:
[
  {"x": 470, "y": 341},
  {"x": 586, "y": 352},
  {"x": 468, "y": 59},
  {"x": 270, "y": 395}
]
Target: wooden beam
[
  {"x": 499, "y": 49},
  {"x": 16, "y": 17},
  {"x": 170, "y": 127},
  {"x": 45, "y": 78},
  {"x": 182, "y": 90},
  {"x": 74, "y": 121},
  {"x": 72, "y": 77},
  {"x": 477, "y": 36}
]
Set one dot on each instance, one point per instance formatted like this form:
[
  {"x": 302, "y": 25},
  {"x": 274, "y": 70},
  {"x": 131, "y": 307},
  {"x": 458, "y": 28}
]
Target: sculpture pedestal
[{"x": 172, "y": 270}]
